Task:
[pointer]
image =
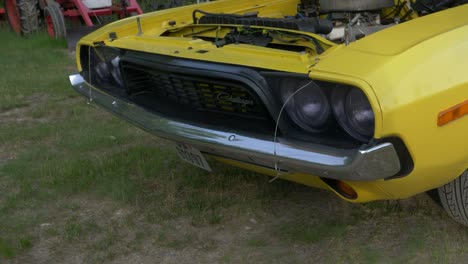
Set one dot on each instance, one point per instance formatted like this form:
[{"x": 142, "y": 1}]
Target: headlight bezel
[
  {"x": 339, "y": 116},
  {"x": 106, "y": 60},
  {"x": 294, "y": 97},
  {"x": 340, "y": 103}
]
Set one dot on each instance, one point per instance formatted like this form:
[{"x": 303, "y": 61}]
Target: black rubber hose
[
  {"x": 195, "y": 20},
  {"x": 445, "y": 3},
  {"x": 315, "y": 25}
]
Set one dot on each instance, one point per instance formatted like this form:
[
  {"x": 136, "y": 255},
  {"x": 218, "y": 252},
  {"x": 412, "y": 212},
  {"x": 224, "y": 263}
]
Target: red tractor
[
  {"x": 58, "y": 16},
  {"x": 2, "y": 16}
]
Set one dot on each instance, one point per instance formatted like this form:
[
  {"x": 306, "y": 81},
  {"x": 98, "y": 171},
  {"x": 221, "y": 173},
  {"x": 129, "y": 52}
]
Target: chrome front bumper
[{"x": 373, "y": 163}]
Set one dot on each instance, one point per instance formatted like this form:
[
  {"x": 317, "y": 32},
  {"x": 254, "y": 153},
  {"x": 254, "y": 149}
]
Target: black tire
[
  {"x": 54, "y": 20},
  {"x": 454, "y": 198},
  {"x": 29, "y": 16}
]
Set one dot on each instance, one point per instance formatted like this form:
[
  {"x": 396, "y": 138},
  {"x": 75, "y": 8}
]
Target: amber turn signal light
[
  {"x": 342, "y": 188},
  {"x": 452, "y": 113},
  {"x": 346, "y": 190}
]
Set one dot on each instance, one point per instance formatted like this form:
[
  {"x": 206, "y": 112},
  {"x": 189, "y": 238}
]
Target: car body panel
[
  {"x": 431, "y": 77},
  {"x": 394, "y": 40},
  {"x": 410, "y": 73}
]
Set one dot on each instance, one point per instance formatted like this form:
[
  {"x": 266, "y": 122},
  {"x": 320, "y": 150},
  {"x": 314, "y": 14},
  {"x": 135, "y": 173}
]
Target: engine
[
  {"x": 341, "y": 21},
  {"x": 355, "y": 19},
  {"x": 353, "y": 5},
  {"x": 352, "y": 19}
]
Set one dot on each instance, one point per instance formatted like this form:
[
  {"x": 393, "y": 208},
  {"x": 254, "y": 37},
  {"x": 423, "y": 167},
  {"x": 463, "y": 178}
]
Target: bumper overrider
[{"x": 369, "y": 163}]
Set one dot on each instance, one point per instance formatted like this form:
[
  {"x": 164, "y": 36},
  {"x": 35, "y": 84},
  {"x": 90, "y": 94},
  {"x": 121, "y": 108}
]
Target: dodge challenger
[{"x": 365, "y": 98}]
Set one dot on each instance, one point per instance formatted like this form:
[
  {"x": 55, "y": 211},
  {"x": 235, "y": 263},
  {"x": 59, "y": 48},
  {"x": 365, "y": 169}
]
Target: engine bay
[{"x": 338, "y": 21}]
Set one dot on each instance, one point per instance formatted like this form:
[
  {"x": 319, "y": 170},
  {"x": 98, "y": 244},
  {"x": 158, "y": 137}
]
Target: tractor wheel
[
  {"x": 22, "y": 15},
  {"x": 42, "y": 4},
  {"x": 13, "y": 16},
  {"x": 54, "y": 21}
]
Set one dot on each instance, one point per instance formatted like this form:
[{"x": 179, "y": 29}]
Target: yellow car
[{"x": 365, "y": 98}]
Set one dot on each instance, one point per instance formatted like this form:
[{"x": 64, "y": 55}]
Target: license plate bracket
[{"x": 192, "y": 156}]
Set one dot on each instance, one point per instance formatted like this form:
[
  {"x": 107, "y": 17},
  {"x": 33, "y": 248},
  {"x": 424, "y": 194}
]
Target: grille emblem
[{"x": 226, "y": 97}]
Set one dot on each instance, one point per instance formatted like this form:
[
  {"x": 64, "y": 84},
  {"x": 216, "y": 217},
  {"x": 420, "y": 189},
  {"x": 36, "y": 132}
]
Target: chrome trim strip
[{"x": 374, "y": 163}]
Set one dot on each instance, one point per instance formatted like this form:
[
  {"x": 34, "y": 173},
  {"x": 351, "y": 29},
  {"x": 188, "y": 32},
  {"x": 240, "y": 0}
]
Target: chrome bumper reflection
[{"x": 377, "y": 162}]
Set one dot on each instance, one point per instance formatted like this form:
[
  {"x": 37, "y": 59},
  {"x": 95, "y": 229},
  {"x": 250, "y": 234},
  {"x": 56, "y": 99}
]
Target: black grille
[{"x": 223, "y": 96}]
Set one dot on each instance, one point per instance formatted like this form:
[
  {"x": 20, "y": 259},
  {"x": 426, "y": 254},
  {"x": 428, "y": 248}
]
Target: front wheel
[{"x": 454, "y": 198}]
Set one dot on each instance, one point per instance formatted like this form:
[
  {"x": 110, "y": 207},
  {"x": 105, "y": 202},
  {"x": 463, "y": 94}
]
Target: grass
[
  {"x": 68, "y": 154},
  {"x": 309, "y": 232},
  {"x": 76, "y": 182},
  {"x": 21, "y": 80}
]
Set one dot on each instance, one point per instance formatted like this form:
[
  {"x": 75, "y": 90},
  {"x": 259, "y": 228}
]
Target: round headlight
[
  {"x": 359, "y": 112},
  {"x": 308, "y": 107},
  {"x": 354, "y": 112},
  {"x": 104, "y": 66},
  {"x": 102, "y": 72},
  {"x": 109, "y": 72},
  {"x": 115, "y": 71}
]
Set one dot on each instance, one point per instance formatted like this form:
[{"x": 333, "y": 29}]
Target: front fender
[{"x": 414, "y": 77}]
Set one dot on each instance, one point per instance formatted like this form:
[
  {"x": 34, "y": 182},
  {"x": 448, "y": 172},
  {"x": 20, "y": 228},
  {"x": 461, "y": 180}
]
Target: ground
[{"x": 78, "y": 185}]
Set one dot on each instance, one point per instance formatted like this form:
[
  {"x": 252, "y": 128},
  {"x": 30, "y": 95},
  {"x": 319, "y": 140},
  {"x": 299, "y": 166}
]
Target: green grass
[
  {"x": 257, "y": 242},
  {"x": 62, "y": 151},
  {"x": 21, "y": 78},
  {"x": 304, "y": 228},
  {"x": 6, "y": 250}
]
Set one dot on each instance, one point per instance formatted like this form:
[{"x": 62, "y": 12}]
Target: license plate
[{"x": 192, "y": 155}]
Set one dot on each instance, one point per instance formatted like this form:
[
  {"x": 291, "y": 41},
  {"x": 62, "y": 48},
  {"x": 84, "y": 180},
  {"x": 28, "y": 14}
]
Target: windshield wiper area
[
  {"x": 267, "y": 37},
  {"x": 252, "y": 37},
  {"x": 314, "y": 25}
]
